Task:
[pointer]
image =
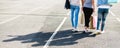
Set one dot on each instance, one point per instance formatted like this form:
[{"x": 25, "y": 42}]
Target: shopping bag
[
  {"x": 82, "y": 18},
  {"x": 67, "y": 4},
  {"x": 91, "y": 24},
  {"x": 94, "y": 21}
]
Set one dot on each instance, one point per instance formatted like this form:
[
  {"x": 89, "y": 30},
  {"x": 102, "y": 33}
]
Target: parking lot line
[
  {"x": 118, "y": 19},
  {"x": 55, "y": 32},
  {"x": 27, "y": 12},
  {"x": 112, "y": 13},
  {"x": 9, "y": 20},
  {"x": 69, "y": 13}
]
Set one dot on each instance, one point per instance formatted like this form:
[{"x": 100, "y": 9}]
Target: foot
[
  {"x": 102, "y": 31},
  {"x": 86, "y": 29},
  {"x": 75, "y": 30},
  {"x": 99, "y": 32}
]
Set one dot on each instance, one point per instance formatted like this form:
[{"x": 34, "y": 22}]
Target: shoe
[
  {"x": 86, "y": 30},
  {"x": 75, "y": 30},
  {"x": 97, "y": 32},
  {"x": 102, "y": 31}
]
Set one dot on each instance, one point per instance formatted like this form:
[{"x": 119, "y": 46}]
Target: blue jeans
[
  {"x": 102, "y": 14},
  {"x": 74, "y": 15}
]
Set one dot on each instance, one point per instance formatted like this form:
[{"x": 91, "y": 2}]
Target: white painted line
[
  {"x": 112, "y": 13},
  {"x": 68, "y": 13},
  {"x": 118, "y": 19},
  {"x": 27, "y": 12},
  {"x": 58, "y": 28},
  {"x": 9, "y": 19}
]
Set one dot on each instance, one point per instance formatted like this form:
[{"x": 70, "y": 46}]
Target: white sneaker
[
  {"x": 102, "y": 31},
  {"x": 99, "y": 32},
  {"x": 86, "y": 30},
  {"x": 75, "y": 30}
]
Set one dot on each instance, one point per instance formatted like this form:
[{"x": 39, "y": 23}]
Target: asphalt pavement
[{"x": 46, "y": 24}]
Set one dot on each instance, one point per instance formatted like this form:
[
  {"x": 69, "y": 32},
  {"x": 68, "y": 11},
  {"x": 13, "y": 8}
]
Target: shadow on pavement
[{"x": 65, "y": 37}]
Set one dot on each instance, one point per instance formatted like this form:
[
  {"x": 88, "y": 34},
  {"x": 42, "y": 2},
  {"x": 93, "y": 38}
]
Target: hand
[
  {"x": 81, "y": 8},
  {"x": 93, "y": 9}
]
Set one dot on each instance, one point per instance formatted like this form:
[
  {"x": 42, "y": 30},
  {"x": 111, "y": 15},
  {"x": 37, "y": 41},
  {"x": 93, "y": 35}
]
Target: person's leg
[
  {"x": 85, "y": 15},
  {"x": 87, "y": 12},
  {"x": 89, "y": 15},
  {"x": 72, "y": 15},
  {"x": 76, "y": 15},
  {"x": 99, "y": 18},
  {"x": 104, "y": 18}
]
